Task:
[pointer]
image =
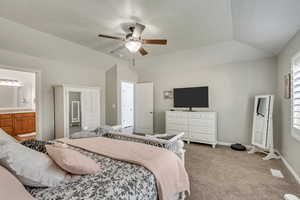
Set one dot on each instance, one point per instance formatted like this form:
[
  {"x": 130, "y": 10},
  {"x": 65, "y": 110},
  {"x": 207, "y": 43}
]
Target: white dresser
[{"x": 198, "y": 126}]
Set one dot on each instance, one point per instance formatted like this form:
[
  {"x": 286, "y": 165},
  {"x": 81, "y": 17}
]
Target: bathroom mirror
[
  {"x": 16, "y": 97},
  {"x": 17, "y": 90}
]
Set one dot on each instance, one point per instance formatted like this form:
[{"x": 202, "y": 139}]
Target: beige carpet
[{"x": 223, "y": 174}]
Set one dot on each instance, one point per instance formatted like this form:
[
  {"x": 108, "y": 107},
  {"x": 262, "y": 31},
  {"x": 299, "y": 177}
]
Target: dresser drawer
[
  {"x": 170, "y": 115},
  {"x": 174, "y": 114},
  {"x": 197, "y": 126},
  {"x": 204, "y": 115},
  {"x": 177, "y": 121},
  {"x": 204, "y": 130},
  {"x": 202, "y": 122},
  {"x": 177, "y": 127}
]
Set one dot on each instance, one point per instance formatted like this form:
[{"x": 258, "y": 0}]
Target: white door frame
[
  {"x": 121, "y": 113},
  {"x": 38, "y": 95},
  {"x": 73, "y": 88}
]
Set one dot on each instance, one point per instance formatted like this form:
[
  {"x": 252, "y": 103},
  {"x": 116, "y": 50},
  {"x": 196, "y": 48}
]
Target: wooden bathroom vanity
[{"x": 18, "y": 124}]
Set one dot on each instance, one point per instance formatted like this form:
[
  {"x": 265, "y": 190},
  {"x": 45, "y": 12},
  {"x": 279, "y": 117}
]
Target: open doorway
[
  {"x": 18, "y": 103},
  {"x": 127, "y": 105}
]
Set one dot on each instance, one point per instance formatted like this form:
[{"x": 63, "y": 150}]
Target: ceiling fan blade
[
  {"x": 110, "y": 37},
  {"x": 138, "y": 30},
  {"x": 142, "y": 51},
  {"x": 154, "y": 41}
]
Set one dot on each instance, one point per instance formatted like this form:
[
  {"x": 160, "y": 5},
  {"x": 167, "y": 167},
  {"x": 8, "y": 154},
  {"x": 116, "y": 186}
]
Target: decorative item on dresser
[
  {"x": 198, "y": 126},
  {"x": 19, "y": 125}
]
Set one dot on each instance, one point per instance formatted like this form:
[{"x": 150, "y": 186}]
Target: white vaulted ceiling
[{"x": 265, "y": 25}]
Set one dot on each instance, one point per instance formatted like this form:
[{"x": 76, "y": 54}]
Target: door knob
[{"x": 151, "y": 112}]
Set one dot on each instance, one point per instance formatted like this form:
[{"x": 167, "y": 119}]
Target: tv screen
[{"x": 191, "y": 97}]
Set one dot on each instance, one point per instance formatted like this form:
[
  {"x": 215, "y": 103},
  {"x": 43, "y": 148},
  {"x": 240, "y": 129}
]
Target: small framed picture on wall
[
  {"x": 168, "y": 94},
  {"x": 287, "y": 86}
]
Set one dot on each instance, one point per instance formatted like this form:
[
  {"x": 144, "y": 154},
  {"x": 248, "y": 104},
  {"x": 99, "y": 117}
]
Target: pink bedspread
[{"x": 168, "y": 169}]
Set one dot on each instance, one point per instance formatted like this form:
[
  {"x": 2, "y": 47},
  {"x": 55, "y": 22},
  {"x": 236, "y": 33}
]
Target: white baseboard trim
[{"x": 290, "y": 168}]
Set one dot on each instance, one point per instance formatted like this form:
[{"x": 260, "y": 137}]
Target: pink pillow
[
  {"x": 72, "y": 161},
  {"x": 11, "y": 188}
]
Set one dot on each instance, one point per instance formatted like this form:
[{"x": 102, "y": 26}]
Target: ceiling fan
[{"x": 133, "y": 41}]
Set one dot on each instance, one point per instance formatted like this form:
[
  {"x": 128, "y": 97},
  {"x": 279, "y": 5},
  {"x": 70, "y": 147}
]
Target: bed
[{"x": 117, "y": 180}]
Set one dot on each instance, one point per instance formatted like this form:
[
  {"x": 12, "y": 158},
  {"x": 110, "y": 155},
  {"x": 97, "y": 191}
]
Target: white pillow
[
  {"x": 6, "y": 137},
  {"x": 31, "y": 167}
]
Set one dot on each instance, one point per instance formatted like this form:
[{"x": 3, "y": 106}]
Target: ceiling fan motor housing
[
  {"x": 129, "y": 35},
  {"x": 133, "y": 40}
]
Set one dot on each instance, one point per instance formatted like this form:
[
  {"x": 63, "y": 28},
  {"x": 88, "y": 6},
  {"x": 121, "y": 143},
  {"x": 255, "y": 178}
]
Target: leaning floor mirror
[{"x": 262, "y": 130}]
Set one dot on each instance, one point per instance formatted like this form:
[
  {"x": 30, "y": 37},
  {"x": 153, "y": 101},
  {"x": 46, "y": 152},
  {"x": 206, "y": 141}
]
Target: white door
[
  {"x": 127, "y": 104},
  {"x": 143, "y": 108},
  {"x": 90, "y": 108}
]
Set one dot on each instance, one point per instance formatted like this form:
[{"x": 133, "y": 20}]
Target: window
[{"x": 295, "y": 86}]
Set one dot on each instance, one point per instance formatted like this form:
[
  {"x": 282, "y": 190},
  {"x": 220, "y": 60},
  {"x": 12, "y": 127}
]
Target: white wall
[
  {"x": 289, "y": 146},
  {"x": 231, "y": 88},
  {"x": 60, "y": 62},
  {"x": 56, "y": 73},
  {"x": 111, "y": 96}
]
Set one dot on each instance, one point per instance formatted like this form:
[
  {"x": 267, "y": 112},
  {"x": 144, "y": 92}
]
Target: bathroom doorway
[
  {"x": 19, "y": 105},
  {"x": 127, "y": 105}
]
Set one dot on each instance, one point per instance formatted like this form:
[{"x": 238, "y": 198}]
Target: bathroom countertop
[{"x": 15, "y": 111}]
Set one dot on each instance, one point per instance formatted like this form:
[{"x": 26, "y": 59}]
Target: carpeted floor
[{"x": 223, "y": 174}]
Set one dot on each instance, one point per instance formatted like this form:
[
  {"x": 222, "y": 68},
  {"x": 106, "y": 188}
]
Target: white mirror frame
[
  {"x": 268, "y": 143},
  {"x": 267, "y": 118}
]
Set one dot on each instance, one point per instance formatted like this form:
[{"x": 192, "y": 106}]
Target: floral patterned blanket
[{"x": 118, "y": 180}]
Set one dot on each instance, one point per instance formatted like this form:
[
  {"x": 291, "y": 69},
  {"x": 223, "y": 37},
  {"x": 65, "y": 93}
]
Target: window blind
[{"x": 296, "y": 96}]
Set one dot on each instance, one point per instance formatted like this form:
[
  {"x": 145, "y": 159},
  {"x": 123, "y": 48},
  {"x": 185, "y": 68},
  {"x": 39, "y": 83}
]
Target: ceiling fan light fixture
[{"x": 133, "y": 46}]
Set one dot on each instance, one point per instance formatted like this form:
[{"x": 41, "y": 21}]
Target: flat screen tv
[{"x": 193, "y": 97}]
